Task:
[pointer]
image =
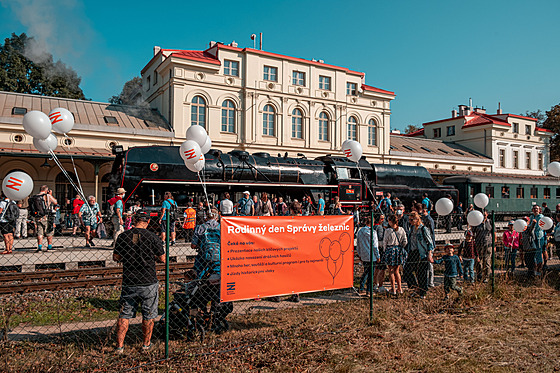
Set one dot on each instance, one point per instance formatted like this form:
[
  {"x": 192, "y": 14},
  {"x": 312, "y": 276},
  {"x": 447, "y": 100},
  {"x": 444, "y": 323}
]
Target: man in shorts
[
  {"x": 6, "y": 227},
  {"x": 168, "y": 204},
  {"x": 45, "y": 223},
  {"x": 138, "y": 249}
]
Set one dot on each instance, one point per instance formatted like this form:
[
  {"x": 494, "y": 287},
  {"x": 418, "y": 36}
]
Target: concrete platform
[{"x": 70, "y": 254}]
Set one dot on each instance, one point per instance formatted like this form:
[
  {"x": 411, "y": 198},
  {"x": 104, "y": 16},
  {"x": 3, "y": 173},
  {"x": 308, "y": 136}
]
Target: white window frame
[
  {"x": 352, "y": 128},
  {"x": 231, "y": 67},
  {"x": 198, "y": 111},
  {"x": 269, "y": 120},
  {"x": 323, "y": 126},
  {"x": 228, "y": 116},
  {"x": 372, "y": 135},
  {"x": 297, "y": 124},
  {"x": 298, "y": 78},
  {"x": 351, "y": 89},
  {"x": 270, "y": 73},
  {"x": 325, "y": 82}
]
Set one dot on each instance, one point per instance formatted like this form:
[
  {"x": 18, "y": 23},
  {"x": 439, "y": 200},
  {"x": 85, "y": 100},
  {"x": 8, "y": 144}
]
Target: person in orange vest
[{"x": 189, "y": 222}]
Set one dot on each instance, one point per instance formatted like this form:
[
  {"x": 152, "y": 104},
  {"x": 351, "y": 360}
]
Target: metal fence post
[
  {"x": 371, "y": 269},
  {"x": 493, "y": 249},
  {"x": 167, "y": 285}
]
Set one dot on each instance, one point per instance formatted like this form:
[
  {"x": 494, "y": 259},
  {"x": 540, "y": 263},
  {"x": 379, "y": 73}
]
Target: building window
[
  {"x": 502, "y": 158},
  {"x": 505, "y": 192},
  {"x": 325, "y": 82},
  {"x": 268, "y": 120},
  {"x": 228, "y": 116},
  {"x": 297, "y": 124},
  {"x": 270, "y": 73},
  {"x": 323, "y": 126},
  {"x": 198, "y": 111},
  {"x": 351, "y": 89},
  {"x": 528, "y": 160},
  {"x": 541, "y": 161},
  {"x": 490, "y": 191},
  {"x": 352, "y": 125},
  {"x": 437, "y": 132},
  {"x": 515, "y": 127},
  {"x": 557, "y": 192},
  {"x": 62, "y": 187},
  {"x": 298, "y": 78},
  {"x": 527, "y": 130},
  {"x": 520, "y": 192},
  {"x": 450, "y": 130},
  {"x": 231, "y": 68},
  {"x": 371, "y": 133},
  {"x": 516, "y": 159},
  {"x": 534, "y": 192},
  {"x": 546, "y": 193}
]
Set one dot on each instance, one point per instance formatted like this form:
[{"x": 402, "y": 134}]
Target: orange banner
[{"x": 278, "y": 255}]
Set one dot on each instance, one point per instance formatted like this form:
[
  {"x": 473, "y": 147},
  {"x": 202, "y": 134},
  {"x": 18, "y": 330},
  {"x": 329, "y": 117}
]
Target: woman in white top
[{"x": 394, "y": 242}]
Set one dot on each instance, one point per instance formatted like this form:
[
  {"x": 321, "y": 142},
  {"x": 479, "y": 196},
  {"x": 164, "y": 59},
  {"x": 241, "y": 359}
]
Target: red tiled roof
[
  {"x": 479, "y": 119},
  {"x": 366, "y": 87},
  {"x": 441, "y": 120},
  {"x": 518, "y": 116},
  {"x": 419, "y": 132},
  {"x": 201, "y": 56},
  {"x": 543, "y": 129}
]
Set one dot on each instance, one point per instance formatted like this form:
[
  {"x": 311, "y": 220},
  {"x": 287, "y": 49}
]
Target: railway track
[{"x": 80, "y": 278}]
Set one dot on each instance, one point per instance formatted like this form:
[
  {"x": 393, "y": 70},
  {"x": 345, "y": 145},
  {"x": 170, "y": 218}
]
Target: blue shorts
[
  {"x": 163, "y": 226},
  {"x": 132, "y": 296}
]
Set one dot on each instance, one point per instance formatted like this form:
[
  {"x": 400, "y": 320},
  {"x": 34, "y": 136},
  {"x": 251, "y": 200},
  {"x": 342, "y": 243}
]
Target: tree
[
  {"x": 24, "y": 68},
  {"x": 131, "y": 94},
  {"x": 552, "y": 122},
  {"x": 411, "y": 128},
  {"x": 537, "y": 115}
]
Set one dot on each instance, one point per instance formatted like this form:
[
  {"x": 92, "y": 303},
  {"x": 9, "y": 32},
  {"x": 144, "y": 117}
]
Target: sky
[{"x": 435, "y": 55}]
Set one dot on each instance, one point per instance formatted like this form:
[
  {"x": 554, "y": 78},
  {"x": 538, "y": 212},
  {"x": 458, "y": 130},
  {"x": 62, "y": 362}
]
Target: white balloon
[
  {"x": 37, "y": 124},
  {"x": 62, "y": 120},
  {"x": 197, "y": 133},
  {"x": 554, "y": 169},
  {"x": 481, "y": 200},
  {"x": 207, "y": 145},
  {"x": 519, "y": 225},
  {"x": 197, "y": 166},
  {"x": 50, "y": 143},
  {"x": 17, "y": 185},
  {"x": 475, "y": 218},
  {"x": 444, "y": 206},
  {"x": 190, "y": 151},
  {"x": 546, "y": 223},
  {"x": 352, "y": 150},
  {"x": 344, "y": 143}
]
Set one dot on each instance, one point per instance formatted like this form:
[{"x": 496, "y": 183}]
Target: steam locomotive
[{"x": 147, "y": 172}]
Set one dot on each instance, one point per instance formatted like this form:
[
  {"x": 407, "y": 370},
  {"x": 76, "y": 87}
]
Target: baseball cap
[
  {"x": 448, "y": 245},
  {"x": 246, "y": 192},
  {"x": 142, "y": 215},
  {"x": 511, "y": 222}
]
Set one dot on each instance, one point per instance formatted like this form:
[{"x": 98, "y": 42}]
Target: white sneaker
[{"x": 382, "y": 290}]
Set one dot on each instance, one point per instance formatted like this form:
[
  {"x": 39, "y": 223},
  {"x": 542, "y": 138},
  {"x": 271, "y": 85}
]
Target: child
[
  {"x": 468, "y": 255},
  {"x": 127, "y": 221},
  {"x": 452, "y": 270}
]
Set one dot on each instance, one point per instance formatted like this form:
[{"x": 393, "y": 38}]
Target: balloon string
[
  {"x": 75, "y": 171},
  {"x": 203, "y": 183},
  {"x": 367, "y": 184},
  {"x": 80, "y": 192}
]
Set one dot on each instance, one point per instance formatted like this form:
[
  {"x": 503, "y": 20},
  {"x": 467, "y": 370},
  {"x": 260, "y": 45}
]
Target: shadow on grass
[{"x": 106, "y": 304}]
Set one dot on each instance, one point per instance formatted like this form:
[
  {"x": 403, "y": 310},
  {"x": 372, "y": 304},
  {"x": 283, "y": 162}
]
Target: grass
[{"x": 513, "y": 329}]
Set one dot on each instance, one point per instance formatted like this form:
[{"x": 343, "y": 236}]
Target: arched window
[
  {"x": 63, "y": 189},
  {"x": 228, "y": 116},
  {"x": 268, "y": 120},
  {"x": 371, "y": 133},
  {"x": 297, "y": 124},
  {"x": 323, "y": 126},
  {"x": 198, "y": 111},
  {"x": 352, "y": 125}
]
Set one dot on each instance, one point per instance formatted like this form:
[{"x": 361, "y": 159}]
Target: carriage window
[
  {"x": 505, "y": 192},
  {"x": 490, "y": 191},
  {"x": 342, "y": 173},
  {"x": 534, "y": 192},
  {"x": 546, "y": 193},
  {"x": 520, "y": 192}
]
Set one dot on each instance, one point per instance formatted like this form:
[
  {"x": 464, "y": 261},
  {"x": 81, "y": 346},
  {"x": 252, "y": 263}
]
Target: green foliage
[
  {"x": 411, "y": 128},
  {"x": 131, "y": 93},
  {"x": 552, "y": 122},
  {"x": 25, "y": 68},
  {"x": 538, "y": 114}
]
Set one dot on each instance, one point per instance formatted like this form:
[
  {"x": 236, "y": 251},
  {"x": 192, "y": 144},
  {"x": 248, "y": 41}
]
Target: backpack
[
  {"x": 37, "y": 206},
  {"x": 11, "y": 212},
  {"x": 173, "y": 213}
]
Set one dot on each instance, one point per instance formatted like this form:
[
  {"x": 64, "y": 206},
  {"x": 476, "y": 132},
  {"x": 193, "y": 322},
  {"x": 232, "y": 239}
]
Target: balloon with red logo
[
  {"x": 546, "y": 223},
  {"x": 197, "y": 133},
  {"x": 352, "y": 150},
  {"x": 17, "y": 185},
  {"x": 37, "y": 124},
  {"x": 190, "y": 151},
  {"x": 62, "y": 120},
  {"x": 197, "y": 166}
]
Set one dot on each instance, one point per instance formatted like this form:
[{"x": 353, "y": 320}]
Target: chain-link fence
[{"x": 81, "y": 291}]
